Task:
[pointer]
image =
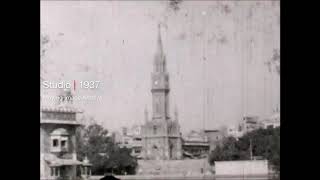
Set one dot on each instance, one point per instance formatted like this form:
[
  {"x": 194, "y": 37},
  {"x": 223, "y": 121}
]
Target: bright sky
[{"x": 216, "y": 54}]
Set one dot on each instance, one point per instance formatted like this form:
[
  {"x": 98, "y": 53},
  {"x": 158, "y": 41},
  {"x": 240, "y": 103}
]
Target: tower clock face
[{"x": 156, "y": 81}]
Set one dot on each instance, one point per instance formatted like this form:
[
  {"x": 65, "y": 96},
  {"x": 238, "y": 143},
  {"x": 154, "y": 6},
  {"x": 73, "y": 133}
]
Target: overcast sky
[{"x": 216, "y": 54}]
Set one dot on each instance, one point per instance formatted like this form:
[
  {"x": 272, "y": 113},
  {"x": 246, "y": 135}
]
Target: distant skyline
[{"x": 216, "y": 57}]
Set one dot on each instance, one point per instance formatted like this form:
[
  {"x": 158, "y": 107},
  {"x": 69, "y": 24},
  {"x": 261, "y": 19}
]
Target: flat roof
[
  {"x": 60, "y": 109},
  {"x": 47, "y": 121}
]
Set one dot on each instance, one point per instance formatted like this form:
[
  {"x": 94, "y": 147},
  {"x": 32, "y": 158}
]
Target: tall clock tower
[
  {"x": 160, "y": 84},
  {"x": 161, "y": 135}
]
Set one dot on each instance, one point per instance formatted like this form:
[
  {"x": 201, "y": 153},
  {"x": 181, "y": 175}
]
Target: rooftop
[
  {"x": 67, "y": 109},
  {"x": 60, "y": 131},
  {"x": 67, "y": 122}
]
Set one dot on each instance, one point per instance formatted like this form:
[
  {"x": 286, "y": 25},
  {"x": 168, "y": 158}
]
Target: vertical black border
[
  {"x": 299, "y": 88},
  {"x": 20, "y": 96}
]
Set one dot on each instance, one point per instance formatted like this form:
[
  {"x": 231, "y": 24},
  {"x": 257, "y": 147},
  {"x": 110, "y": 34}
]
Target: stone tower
[{"x": 161, "y": 136}]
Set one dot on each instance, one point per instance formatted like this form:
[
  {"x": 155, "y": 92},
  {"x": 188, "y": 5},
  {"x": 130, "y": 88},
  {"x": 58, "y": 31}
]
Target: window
[
  {"x": 154, "y": 130},
  {"x": 57, "y": 171},
  {"x": 64, "y": 143},
  {"x": 59, "y": 139},
  {"x": 52, "y": 172},
  {"x": 55, "y": 143}
]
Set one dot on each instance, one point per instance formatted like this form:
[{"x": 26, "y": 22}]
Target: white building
[
  {"x": 272, "y": 121},
  {"x": 235, "y": 131},
  {"x": 248, "y": 124},
  {"x": 131, "y": 139}
]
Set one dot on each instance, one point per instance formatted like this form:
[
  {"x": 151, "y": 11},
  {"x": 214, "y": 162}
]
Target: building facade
[
  {"x": 235, "y": 131},
  {"x": 214, "y": 138},
  {"x": 58, "y": 158},
  {"x": 161, "y": 137},
  {"x": 195, "y": 145},
  {"x": 250, "y": 123},
  {"x": 272, "y": 121},
  {"x": 131, "y": 139}
]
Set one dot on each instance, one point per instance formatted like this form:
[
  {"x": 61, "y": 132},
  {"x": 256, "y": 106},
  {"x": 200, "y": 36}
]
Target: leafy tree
[
  {"x": 264, "y": 143},
  {"x": 120, "y": 162},
  {"x": 92, "y": 141},
  {"x": 103, "y": 153}
]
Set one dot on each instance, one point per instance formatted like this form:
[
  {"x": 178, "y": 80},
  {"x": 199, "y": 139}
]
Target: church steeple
[
  {"x": 160, "y": 83},
  {"x": 160, "y": 59},
  {"x": 159, "y": 42},
  {"x": 161, "y": 135}
]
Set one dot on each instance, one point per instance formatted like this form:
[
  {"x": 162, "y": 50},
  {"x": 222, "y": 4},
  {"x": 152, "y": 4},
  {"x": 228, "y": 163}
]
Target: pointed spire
[
  {"x": 159, "y": 62},
  {"x": 160, "y": 48}
]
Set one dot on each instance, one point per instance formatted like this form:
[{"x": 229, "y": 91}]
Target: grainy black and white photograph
[{"x": 163, "y": 89}]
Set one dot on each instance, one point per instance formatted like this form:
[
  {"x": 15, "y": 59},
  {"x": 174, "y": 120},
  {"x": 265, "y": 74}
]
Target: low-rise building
[
  {"x": 272, "y": 121},
  {"x": 131, "y": 139},
  {"x": 235, "y": 131},
  {"x": 214, "y": 138},
  {"x": 195, "y": 145},
  {"x": 250, "y": 123}
]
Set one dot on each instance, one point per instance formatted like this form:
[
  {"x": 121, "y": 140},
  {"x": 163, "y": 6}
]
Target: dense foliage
[
  {"x": 104, "y": 155},
  {"x": 265, "y": 143}
]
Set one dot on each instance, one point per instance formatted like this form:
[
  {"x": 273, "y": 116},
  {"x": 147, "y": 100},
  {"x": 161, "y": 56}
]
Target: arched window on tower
[
  {"x": 154, "y": 129},
  {"x": 158, "y": 108},
  {"x": 171, "y": 151}
]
